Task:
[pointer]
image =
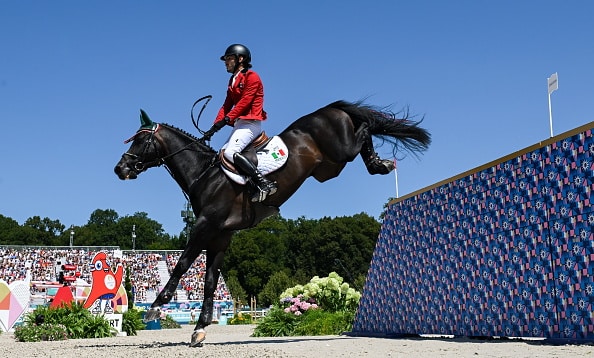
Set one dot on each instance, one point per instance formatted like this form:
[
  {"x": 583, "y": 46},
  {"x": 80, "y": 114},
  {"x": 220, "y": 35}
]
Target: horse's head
[{"x": 145, "y": 151}]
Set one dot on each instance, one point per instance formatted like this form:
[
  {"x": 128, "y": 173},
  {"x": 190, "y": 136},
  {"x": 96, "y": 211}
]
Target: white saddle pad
[{"x": 270, "y": 158}]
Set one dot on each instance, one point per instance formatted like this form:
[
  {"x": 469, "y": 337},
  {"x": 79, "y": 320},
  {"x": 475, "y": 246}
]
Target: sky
[{"x": 74, "y": 74}]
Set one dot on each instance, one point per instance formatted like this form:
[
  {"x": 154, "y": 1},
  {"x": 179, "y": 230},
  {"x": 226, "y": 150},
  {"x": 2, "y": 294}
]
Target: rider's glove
[
  {"x": 220, "y": 124},
  {"x": 216, "y": 127}
]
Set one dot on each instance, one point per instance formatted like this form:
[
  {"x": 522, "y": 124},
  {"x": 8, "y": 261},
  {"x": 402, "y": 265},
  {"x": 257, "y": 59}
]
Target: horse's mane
[{"x": 197, "y": 140}]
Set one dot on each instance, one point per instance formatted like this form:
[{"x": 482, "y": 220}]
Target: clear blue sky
[{"x": 73, "y": 75}]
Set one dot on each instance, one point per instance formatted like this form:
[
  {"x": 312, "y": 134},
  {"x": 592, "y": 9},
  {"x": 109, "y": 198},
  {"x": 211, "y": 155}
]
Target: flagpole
[
  {"x": 550, "y": 115},
  {"x": 396, "y": 177},
  {"x": 553, "y": 85}
]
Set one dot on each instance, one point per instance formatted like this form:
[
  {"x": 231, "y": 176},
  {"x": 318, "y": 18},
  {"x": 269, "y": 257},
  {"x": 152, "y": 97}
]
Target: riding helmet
[{"x": 238, "y": 50}]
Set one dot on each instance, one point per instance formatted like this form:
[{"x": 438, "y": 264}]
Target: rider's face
[{"x": 231, "y": 61}]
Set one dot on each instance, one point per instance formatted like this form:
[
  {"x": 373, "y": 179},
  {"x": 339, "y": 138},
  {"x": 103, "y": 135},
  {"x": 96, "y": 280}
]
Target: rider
[{"x": 243, "y": 109}]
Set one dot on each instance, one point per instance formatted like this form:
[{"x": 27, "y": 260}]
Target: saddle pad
[{"x": 270, "y": 158}]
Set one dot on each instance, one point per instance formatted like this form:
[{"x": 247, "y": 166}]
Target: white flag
[{"x": 553, "y": 82}]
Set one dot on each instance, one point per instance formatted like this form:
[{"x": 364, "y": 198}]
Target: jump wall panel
[{"x": 506, "y": 249}]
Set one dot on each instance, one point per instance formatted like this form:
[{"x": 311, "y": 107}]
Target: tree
[
  {"x": 386, "y": 205},
  {"x": 237, "y": 292},
  {"x": 149, "y": 234},
  {"x": 102, "y": 225},
  {"x": 10, "y": 231},
  {"x": 47, "y": 230},
  {"x": 316, "y": 245},
  {"x": 103, "y": 218},
  {"x": 302, "y": 243},
  {"x": 277, "y": 283},
  {"x": 255, "y": 254},
  {"x": 351, "y": 240},
  {"x": 302, "y": 248}
]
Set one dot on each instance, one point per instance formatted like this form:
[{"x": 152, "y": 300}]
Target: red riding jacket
[{"x": 245, "y": 98}]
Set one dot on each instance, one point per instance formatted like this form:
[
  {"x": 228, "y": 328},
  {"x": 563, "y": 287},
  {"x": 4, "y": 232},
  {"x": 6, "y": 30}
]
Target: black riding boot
[
  {"x": 374, "y": 164},
  {"x": 265, "y": 187}
]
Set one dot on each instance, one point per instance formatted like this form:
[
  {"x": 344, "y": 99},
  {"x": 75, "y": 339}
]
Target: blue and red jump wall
[{"x": 505, "y": 249}]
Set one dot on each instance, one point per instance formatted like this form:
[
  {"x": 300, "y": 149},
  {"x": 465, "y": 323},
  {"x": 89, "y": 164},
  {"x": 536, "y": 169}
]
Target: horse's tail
[{"x": 400, "y": 132}]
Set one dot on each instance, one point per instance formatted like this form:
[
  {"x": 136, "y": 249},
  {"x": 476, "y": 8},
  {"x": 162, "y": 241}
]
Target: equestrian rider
[{"x": 243, "y": 109}]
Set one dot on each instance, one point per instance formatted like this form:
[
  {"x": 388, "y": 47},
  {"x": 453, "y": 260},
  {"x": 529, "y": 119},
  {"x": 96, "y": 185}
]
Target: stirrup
[{"x": 263, "y": 193}]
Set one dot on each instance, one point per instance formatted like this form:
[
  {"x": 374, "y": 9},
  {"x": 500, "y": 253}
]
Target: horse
[{"x": 319, "y": 145}]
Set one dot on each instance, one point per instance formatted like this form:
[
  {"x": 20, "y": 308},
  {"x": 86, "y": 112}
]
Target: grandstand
[{"x": 149, "y": 270}]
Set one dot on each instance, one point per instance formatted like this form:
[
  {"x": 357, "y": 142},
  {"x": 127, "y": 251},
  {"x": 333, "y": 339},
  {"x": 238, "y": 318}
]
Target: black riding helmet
[{"x": 238, "y": 50}]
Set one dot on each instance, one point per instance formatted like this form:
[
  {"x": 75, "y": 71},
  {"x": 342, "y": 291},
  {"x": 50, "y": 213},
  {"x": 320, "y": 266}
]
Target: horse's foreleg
[
  {"x": 191, "y": 252},
  {"x": 183, "y": 264},
  {"x": 214, "y": 261}
]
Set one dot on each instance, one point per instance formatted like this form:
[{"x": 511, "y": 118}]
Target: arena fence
[{"x": 505, "y": 249}]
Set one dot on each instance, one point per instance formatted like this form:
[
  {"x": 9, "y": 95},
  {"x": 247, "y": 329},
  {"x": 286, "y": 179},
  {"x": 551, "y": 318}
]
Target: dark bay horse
[{"x": 320, "y": 144}]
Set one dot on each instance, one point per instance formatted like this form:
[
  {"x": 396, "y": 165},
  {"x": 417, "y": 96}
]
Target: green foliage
[
  {"x": 240, "y": 318},
  {"x": 42, "y": 332},
  {"x": 323, "y": 306},
  {"x": 132, "y": 322},
  {"x": 169, "y": 323},
  {"x": 97, "y": 327},
  {"x": 11, "y": 233},
  {"x": 302, "y": 248},
  {"x": 77, "y": 321},
  {"x": 237, "y": 292},
  {"x": 104, "y": 228},
  {"x": 273, "y": 288},
  {"x": 47, "y": 230},
  {"x": 128, "y": 288},
  {"x": 329, "y": 293},
  {"x": 277, "y": 323},
  {"x": 320, "y": 323}
]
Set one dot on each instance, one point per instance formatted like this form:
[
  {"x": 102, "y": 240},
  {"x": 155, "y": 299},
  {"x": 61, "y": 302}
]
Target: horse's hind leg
[
  {"x": 374, "y": 164},
  {"x": 214, "y": 261},
  {"x": 352, "y": 145}
]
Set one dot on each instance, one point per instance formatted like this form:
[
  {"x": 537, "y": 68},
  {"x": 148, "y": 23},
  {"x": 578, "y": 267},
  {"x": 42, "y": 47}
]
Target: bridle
[
  {"x": 160, "y": 159},
  {"x": 140, "y": 165}
]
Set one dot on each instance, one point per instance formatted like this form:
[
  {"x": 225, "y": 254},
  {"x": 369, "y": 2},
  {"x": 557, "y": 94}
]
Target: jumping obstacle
[{"x": 505, "y": 249}]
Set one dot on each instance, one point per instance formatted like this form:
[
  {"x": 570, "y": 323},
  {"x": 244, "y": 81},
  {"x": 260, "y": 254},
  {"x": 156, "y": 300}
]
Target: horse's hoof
[
  {"x": 152, "y": 314},
  {"x": 197, "y": 338},
  {"x": 380, "y": 166}
]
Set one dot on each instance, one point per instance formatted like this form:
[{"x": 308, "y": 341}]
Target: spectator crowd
[{"x": 44, "y": 264}]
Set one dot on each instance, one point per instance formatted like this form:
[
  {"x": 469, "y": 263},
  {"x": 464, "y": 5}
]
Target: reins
[
  {"x": 195, "y": 122},
  {"x": 141, "y": 166},
  {"x": 160, "y": 160}
]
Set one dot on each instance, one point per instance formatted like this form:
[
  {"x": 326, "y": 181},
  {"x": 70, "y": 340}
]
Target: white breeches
[{"x": 244, "y": 131}]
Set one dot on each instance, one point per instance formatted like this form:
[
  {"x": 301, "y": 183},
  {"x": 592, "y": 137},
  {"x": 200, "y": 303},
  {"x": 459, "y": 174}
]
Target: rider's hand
[
  {"x": 208, "y": 134},
  {"x": 220, "y": 124},
  {"x": 216, "y": 127}
]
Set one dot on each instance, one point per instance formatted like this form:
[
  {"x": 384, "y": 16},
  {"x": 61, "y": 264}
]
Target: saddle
[{"x": 267, "y": 153}]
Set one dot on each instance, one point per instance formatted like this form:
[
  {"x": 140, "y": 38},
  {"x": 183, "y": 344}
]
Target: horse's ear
[{"x": 145, "y": 121}]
